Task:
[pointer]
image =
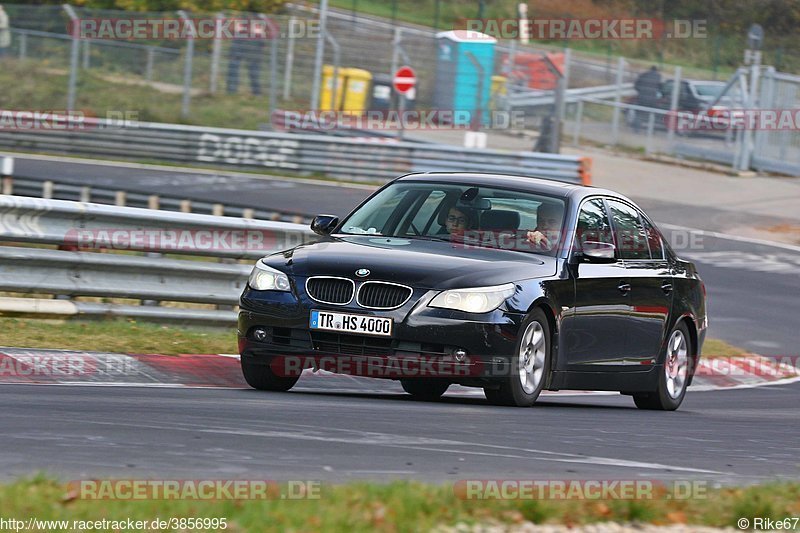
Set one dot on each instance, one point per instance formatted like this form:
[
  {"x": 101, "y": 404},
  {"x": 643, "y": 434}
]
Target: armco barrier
[
  {"x": 152, "y": 278},
  {"x": 62, "y": 222},
  {"x": 51, "y": 188},
  {"x": 329, "y": 155},
  {"x": 539, "y": 98}
]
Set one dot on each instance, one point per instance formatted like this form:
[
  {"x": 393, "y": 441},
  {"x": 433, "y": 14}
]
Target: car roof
[{"x": 544, "y": 186}]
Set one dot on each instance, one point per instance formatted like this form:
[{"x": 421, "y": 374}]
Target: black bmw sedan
[{"x": 512, "y": 284}]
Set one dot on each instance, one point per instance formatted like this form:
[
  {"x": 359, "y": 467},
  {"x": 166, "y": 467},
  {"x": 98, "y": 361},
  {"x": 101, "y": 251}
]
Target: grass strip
[{"x": 402, "y": 506}]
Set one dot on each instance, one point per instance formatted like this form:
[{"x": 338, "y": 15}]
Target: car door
[
  {"x": 640, "y": 246},
  {"x": 594, "y": 333}
]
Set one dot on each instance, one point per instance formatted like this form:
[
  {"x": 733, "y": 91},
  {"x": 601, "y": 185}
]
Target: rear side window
[
  {"x": 629, "y": 231},
  {"x": 653, "y": 240},
  {"x": 593, "y": 224}
]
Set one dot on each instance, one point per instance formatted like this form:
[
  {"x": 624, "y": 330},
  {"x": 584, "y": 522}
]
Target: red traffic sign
[{"x": 404, "y": 79}]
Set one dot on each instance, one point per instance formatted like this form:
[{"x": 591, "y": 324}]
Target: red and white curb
[
  {"x": 745, "y": 372},
  {"x": 64, "y": 367}
]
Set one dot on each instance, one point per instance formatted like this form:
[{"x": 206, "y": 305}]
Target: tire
[
  {"x": 530, "y": 365},
  {"x": 262, "y": 377},
  {"x": 425, "y": 389},
  {"x": 674, "y": 375}
]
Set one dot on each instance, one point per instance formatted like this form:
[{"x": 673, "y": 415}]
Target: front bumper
[{"x": 423, "y": 343}]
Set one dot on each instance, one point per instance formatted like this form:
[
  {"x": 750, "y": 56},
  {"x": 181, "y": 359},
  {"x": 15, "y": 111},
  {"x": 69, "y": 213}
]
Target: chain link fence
[
  {"x": 235, "y": 83},
  {"x": 749, "y": 122},
  {"x": 240, "y": 83}
]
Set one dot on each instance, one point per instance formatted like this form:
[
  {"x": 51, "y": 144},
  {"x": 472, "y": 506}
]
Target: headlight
[
  {"x": 477, "y": 300},
  {"x": 264, "y": 278}
]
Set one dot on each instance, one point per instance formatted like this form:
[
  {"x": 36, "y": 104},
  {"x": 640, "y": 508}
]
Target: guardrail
[
  {"x": 49, "y": 189},
  {"x": 77, "y": 224},
  {"x": 150, "y": 277},
  {"x": 536, "y": 98},
  {"x": 303, "y": 154}
]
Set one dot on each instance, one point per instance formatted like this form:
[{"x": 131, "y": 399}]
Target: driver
[{"x": 458, "y": 220}]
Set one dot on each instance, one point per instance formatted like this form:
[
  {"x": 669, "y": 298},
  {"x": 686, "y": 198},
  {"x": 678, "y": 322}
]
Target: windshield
[{"x": 469, "y": 215}]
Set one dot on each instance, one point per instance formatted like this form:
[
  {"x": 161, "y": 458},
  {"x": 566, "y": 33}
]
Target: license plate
[{"x": 365, "y": 325}]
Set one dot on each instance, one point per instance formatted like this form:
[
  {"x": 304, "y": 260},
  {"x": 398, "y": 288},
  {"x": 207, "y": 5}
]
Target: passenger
[{"x": 548, "y": 226}]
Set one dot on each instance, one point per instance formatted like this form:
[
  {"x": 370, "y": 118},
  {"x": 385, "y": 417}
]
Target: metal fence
[
  {"x": 191, "y": 80},
  {"x": 183, "y": 80},
  {"x": 620, "y": 122},
  {"x": 339, "y": 157},
  {"x": 778, "y": 150},
  {"x": 165, "y": 284}
]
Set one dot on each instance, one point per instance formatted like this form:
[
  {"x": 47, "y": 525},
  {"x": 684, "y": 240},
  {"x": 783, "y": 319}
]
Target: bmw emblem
[{"x": 362, "y": 272}]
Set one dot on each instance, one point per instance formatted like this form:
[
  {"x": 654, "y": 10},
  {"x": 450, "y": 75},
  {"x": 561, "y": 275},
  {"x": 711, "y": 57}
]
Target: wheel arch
[
  {"x": 545, "y": 305},
  {"x": 691, "y": 327},
  {"x": 547, "y": 308}
]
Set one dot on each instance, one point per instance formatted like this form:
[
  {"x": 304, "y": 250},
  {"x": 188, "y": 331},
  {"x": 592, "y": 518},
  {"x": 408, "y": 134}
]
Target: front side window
[
  {"x": 593, "y": 224},
  {"x": 629, "y": 232}
]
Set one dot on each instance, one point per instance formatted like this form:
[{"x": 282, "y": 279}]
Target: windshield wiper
[{"x": 425, "y": 238}]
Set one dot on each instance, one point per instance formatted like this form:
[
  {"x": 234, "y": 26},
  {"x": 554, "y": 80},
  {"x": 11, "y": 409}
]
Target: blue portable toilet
[{"x": 457, "y": 78}]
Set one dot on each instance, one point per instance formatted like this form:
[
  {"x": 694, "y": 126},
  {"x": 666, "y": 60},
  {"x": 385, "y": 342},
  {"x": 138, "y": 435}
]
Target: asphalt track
[
  {"x": 338, "y": 431},
  {"x": 732, "y": 437}
]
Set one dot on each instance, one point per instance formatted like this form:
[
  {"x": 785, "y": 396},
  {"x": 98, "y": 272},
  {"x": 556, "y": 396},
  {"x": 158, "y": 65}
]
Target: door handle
[
  {"x": 666, "y": 287},
  {"x": 624, "y": 287}
]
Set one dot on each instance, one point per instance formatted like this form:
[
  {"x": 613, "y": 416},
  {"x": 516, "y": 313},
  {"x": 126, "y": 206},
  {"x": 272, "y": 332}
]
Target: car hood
[{"x": 419, "y": 263}]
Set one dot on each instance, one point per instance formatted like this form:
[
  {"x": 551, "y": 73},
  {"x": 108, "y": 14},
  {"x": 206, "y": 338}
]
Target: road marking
[
  {"x": 398, "y": 472},
  {"x": 730, "y": 237},
  {"x": 391, "y": 440},
  {"x": 764, "y": 344},
  {"x": 774, "y": 263}
]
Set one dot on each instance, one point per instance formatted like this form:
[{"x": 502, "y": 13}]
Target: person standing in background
[
  {"x": 5, "y": 32},
  {"x": 647, "y": 86},
  {"x": 251, "y": 50}
]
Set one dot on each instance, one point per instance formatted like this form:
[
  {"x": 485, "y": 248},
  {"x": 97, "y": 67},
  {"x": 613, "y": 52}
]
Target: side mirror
[
  {"x": 598, "y": 252},
  {"x": 324, "y": 224}
]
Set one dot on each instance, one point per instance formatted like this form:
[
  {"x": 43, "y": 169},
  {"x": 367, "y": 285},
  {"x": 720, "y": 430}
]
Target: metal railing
[
  {"x": 60, "y": 222},
  {"x": 538, "y": 98},
  {"x": 52, "y": 189},
  {"x": 149, "y": 276},
  {"x": 285, "y": 65},
  {"x": 331, "y": 156}
]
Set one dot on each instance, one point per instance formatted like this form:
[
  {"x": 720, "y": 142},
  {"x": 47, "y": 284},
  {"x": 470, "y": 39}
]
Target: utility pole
[{"x": 318, "y": 57}]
